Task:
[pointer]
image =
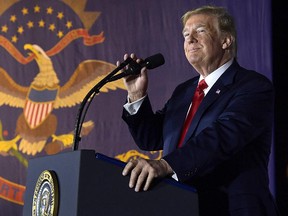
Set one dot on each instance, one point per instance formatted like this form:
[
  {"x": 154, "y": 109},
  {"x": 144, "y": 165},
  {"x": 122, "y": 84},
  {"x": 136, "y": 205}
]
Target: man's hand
[
  {"x": 144, "y": 171},
  {"x": 136, "y": 85}
]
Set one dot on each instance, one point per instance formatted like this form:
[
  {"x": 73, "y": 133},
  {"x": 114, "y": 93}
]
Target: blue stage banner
[{"x": 53, "y": 52}]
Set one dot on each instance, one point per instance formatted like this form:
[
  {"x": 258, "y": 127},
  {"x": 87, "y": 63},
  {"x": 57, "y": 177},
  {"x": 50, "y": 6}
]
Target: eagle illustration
[{"x": 37, "y": 123}]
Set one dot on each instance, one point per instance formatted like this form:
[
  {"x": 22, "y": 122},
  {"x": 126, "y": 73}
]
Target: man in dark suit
[{"x": 225, "y": 151}]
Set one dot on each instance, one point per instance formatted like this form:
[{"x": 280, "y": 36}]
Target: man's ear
[{"x": 227, "y": 41}]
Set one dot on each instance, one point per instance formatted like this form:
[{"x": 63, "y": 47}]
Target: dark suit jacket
[{"x": 227, "y": 147}]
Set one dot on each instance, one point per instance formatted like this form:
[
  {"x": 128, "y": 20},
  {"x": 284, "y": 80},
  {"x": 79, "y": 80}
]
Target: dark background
[{"x": 279, "y": 37}]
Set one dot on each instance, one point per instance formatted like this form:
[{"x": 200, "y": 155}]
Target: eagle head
[{"x": 47, "y": 76}]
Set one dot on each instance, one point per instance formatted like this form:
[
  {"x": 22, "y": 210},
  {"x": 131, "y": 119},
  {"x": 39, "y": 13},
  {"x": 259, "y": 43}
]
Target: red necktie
[{"x": 197, "y": 98}]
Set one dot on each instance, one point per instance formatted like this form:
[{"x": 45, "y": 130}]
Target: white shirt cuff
[
  {"x": 174, "y": 176},
  {"x": 132, "y": 108}
]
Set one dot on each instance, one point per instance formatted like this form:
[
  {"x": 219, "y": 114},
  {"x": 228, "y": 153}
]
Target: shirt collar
[{"x": 214, "y": 76}]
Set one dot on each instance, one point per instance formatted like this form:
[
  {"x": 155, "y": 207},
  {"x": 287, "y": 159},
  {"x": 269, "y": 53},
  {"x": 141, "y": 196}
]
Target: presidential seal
[{"x": 45, "y": 198}]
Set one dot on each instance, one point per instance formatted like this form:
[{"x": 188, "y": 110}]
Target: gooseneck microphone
[{"x": 134, "y": 68}]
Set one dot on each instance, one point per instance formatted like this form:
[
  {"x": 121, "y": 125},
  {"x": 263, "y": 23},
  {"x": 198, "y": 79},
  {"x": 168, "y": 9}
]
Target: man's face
[{"x": 202, "y": 41}]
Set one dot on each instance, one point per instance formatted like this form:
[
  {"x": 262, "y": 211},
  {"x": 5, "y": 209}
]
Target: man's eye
[{"x": 200, "y": 30}]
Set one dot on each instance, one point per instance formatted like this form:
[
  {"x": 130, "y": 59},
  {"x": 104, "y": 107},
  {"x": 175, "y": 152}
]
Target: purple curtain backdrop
[{"x": 143, "y": 27}]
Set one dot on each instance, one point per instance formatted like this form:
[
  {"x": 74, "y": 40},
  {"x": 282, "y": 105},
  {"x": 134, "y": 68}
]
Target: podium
[{"x": 88, "y": 183}]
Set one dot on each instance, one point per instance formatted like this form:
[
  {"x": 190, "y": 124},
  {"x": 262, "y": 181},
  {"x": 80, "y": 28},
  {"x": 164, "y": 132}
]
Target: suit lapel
[
  {"x": 218, "y": 89},
  {"x": 178, "y": 118}
]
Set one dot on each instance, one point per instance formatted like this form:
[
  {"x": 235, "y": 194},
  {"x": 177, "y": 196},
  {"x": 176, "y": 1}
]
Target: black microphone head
[{"x": 154, "y": 61}]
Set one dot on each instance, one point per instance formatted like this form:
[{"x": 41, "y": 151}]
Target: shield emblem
[{"x": 39, "y": 104}]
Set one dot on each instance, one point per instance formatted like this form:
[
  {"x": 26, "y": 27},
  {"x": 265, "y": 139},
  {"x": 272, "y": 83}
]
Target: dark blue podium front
[{"x": 92, "y": 184}]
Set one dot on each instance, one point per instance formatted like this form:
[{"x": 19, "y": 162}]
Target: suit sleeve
[{"x": 146, "y": 127}]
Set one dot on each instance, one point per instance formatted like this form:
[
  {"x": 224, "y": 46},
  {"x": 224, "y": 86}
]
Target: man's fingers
[
  {"x": 134, "y": 178},
  {"x": 148, "y": 181},
  {"x": 126, "y": 56},
  {"x": 129, "y": 166},
  {"x": 141, "y": 179},
  {"x": 143, "y": 172}
]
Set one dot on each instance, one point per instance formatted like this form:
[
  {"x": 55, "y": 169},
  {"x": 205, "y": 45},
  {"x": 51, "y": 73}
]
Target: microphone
[{"x": 135, "y": 68}]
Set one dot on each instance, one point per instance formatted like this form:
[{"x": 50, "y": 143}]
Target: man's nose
[{"x": 192, "y": 38}]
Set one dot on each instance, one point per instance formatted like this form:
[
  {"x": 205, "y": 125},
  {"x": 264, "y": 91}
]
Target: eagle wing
[
  {"x": 11, "y": 93},
  {"x": 85, "y": 77}
]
